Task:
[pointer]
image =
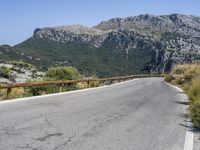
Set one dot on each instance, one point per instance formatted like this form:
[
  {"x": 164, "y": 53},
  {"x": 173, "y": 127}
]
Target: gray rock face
[
  {"x": 19, "y": 74},
  {"x": 73, "y": 33},
  {"x": 173, "y": 22},
  {"x": 174, "y": 38},
  {"x": 4, "y": 80}
]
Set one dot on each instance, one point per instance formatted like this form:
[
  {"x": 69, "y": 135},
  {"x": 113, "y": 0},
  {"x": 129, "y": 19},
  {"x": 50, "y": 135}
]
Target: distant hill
[{"x": 119, "y": 46}]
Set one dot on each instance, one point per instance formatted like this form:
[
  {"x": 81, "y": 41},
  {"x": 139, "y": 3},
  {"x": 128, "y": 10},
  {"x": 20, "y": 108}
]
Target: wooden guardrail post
[
  {"x": 113, "y": 81},
  {"x": 88, "y": 84},
  {"x": 8, "y": 92},
  {"x": 61, "y": 87}
]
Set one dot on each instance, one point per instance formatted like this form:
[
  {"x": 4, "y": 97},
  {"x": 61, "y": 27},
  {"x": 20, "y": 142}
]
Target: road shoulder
[
  {"x": 192, "y": 136},
  {"x": 196, "y": 140}
]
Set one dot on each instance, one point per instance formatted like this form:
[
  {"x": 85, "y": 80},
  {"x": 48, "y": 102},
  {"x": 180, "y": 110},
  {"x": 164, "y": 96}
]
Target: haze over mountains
[{"x": 119, "y": 46}]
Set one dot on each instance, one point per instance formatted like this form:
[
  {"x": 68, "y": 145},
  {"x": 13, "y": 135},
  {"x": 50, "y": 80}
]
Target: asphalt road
[{"x": 143, "y": 114}]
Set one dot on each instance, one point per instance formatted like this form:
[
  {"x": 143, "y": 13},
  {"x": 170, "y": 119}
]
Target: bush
[
  {"x": 58, "y": 73},
  {"x": 62, "y": 73},
  {"x": 41, "y": 90},
  {"x": 5, "y": 72},
  {"x": 195, "y": 113},
  {"x": 21, "y": 64},
  {"x": 169, "y": 78}
]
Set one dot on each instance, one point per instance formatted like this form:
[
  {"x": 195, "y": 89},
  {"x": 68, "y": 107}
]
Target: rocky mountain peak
[
  {"x": 152, "y": 22},
  {"x": 75, "y": 29},
  {"x": 71, "y": 33}
]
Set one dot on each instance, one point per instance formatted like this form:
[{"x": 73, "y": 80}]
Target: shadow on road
[
  {"x": 187, "y": 123},
  {"x": 182, "y": 103}
]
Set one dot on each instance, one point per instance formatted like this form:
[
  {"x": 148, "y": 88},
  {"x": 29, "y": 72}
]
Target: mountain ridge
[{"x": 114, "y": 46}]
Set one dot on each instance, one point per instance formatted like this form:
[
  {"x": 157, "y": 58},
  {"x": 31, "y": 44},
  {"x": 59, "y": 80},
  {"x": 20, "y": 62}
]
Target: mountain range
[{"x": 119, "y": 46}]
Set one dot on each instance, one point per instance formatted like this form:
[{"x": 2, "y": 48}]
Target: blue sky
[{"x": 20, "y": 17}]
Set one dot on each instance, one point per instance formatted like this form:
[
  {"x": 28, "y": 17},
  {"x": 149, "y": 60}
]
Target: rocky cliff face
[
  {"x": 73, "y": 33},
  {"x": 18, "y": 72}
]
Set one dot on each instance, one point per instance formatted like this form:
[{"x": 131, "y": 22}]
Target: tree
[{"x": 62, "y": 73}]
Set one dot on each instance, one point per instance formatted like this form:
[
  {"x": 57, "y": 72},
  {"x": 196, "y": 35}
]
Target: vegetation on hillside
[
  {"x": 4, "y": 72},
  {"x": 188, "y": 77},
  {"x": 53, "y": 74},
  {"x": 21, "y": 64},
  {"x": 57, "y": 73},
  {"x": 105, "y": 61},
  {"x": 18, "y": 71},
  {"x": 62, "y": 73}
]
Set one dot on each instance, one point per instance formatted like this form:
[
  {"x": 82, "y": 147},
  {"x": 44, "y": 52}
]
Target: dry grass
[
  {"x": 194, "y": 90},
  {"x": 83, "y": 85},
  {"x": 2, "y": 94},
  {"x": 15, "y": 93},
  {"x": 186, "y": 69},
  {"x": 188, "y": 77}
]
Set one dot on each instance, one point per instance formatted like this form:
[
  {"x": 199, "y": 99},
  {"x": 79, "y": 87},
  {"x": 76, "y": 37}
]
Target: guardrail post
[
  {"x": 88, "y": 84},
  {"x": 61, "y": 88},
  {"x": 113, "y": 81},
  {"x": 8, "y": 93}
]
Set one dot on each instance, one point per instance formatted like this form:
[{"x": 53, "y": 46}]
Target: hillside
[{"x": 119, "y": 46}]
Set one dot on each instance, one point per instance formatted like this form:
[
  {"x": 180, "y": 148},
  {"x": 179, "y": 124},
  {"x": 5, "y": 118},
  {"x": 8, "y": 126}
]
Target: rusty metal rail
[{"x": 62, "y": 83}]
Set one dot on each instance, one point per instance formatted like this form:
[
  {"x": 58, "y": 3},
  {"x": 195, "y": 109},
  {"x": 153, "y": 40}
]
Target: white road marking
[
  {"x": 188, "y": 138},
  {"x": 188, "y": 145}
]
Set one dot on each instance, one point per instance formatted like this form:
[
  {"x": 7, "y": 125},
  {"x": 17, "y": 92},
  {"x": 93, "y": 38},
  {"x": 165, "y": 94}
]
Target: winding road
[{"x": 141, "y": 114}]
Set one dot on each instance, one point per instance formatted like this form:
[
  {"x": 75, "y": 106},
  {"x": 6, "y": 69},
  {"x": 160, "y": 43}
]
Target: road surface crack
[
  {"x": 27, "y": 147},
  {"x": 64, "y": 143},
  {"x": 44, "y": 138},
  {"x": 47, "y": 121}
]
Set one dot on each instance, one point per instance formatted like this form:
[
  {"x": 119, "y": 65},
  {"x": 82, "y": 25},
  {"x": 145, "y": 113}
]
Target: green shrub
[
  {"x": 58, "y": 73},
  {"x": 41, "y": 90},
  {"x": 4, "y": 72},
  {"x": 36, "y": 90},
  {"x": 169, "y": 78},
  {"x": 62, "y": 73},
  {"x": 195, "y": 113},
  {"x": 21, "y": 64}
]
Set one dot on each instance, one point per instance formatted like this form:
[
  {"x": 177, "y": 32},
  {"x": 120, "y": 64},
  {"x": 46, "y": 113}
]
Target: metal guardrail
[{"x": 61, "y": 83}]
